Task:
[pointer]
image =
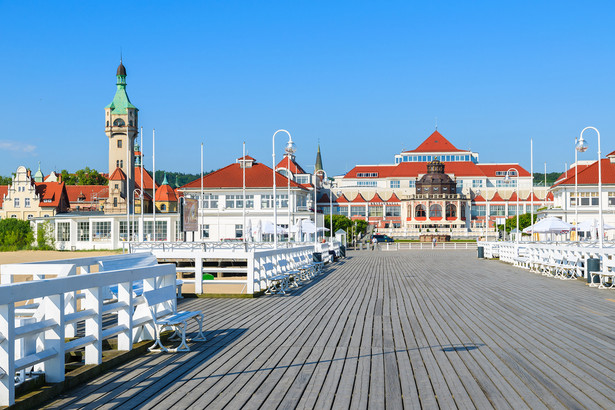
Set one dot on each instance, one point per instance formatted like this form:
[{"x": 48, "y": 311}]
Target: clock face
[{"x": 118, "y": 123}]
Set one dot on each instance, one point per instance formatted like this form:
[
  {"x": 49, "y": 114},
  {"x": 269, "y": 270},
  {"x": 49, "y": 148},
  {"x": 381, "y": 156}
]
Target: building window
[
  {"x": 205, "y": 231},
  {"x": 178, "y": 232},
  {"x": 512, "y": 209},
  {"x": 451, "y": 211},
  {"x": 411, "y": 184},
  {"x": 161, "y": 230},
  {"x": 375, "y": 210},
  {"x": 502, "y": 183},
  {"x": 435, "y": 211},
  {"x": 477, "y": 183},
  {"x": 63, "y": 231},
  {"x": 394, "y": 184},
  {"x": 236, "y": 201},
  {"x": 497, "y": 210},
  {"x": 16, "y": 202},
  {"x": 611, "y": 200},
  {"x": 115, "y": 202},
  {"x": 357, "y": 210},
  {"x": 134, "y": 228},
  {"x": 210, "y": 201},
  {"x": 302, "y": 179},
  {"x": 30, "y": 216},
  {"x": 119, "y": 143},
  {"x": 393, "y": 210},
  {"x": 101, "y": 231},
  {"x": 420, "y": 212},
  {"x": 83, "y": 231},
  {"x": 367, "y": 175},
  {"x": 26, "y": 202},
  {"x": 239, "y": 231},
  {"x": 367, "y": 183},
  {"x": 301, "y": 201},
  {"x": 267, "y": 201},
  {"x": 119, "y": 122},
  {"x": 163, "y": 207},
  {"x": 478, "y": 210}
]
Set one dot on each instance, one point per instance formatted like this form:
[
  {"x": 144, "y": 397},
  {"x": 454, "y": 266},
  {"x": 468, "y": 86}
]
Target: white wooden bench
[
  {"x": 163, "y": 308},
  {"x": 294, "y": 275},
  {"x": 607, "y": 274},
  {"x": 134, "y": 260},
  {"x": 306, "y": 270},
  {"x": 276, "y": 282}
]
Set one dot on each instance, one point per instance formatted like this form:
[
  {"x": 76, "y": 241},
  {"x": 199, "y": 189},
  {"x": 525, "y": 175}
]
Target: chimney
[{"x": 29, "y": 173}]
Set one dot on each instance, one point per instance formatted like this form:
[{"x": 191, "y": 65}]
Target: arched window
[
  {"x": 419, "y": 211},
  {"x": 435, "y": 211},
  {"x": 119, "y": 122},
  {"x": 451, "y": 211},
  {"x": 163, "y": 207}
]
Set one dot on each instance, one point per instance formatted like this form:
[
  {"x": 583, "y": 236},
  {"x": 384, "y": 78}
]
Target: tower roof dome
[{"x": 121, "y": 70}]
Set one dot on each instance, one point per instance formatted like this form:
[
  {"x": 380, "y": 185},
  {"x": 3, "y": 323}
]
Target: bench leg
[
  {"x": 157, "y": 346},
  {"x": 183, "y": 347},
  {"x": 200, "y": 337}
]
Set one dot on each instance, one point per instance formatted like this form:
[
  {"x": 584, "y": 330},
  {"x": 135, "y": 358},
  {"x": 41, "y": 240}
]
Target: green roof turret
[
  {"x": 164, "y": 181},
  {"x": 121, "y": 103},
  {"x": 38, "y": 177}
]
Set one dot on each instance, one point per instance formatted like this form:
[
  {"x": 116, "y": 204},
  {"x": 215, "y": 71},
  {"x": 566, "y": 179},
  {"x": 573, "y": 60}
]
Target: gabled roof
[
  {"x": 118, "y": 175},
  {"x": 529, "y": 198},
  {"x": 496, "y": 197},
  {"x": 87, "y": 193},
  {"x": 478, "y": 198},
  {"x": 165, "y": 194},
  {"x": 393, "y": 198},
  {"x": 51, "y": 193},
  {"x": 550, "y": 196},
  {"x": 231, "y": 176},
  {"x": 589, "y": 175},
  {"x": 513, "y": 197},
  {"x": 324, "y": 199},
  {"x": 4, "y": 189},
  {"x": 358, "y": 198},
  {"x": 147, "y": 179},
  {"x": 436, "y": 143},
  {"x": 342, "y": 199},
  {"x": 491, "y": 169},
  {"x": 376, "y": 199},
  {"x": 294, "y": 167},
  {"x": 246, "y": 158}
]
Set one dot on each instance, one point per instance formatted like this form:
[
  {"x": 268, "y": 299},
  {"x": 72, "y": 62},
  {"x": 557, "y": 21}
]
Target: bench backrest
[
  {"x": 158, "y": 296},
  {"x": 134, "y": 260},
  {"x": 283, "y": 264}
]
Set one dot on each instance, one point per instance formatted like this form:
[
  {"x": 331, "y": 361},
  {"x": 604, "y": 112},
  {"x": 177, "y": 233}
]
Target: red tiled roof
[
  {"x": 4, "y": 189},
  {"x": 118, "y": 175},
  {"x": 479, "y": 198},
  {"x": 513, "y": 197},
  {"x": 342, "y": 199},
  {"x": 358, "y": 198},
  {"x": 611, "y": 154},
  {"x": 87, "y": 193},
  {"x": 147, "y": 179},
  {"x": 165, "y": 194},
  {"x": 257, "y": 176},
  {"x": 376, "y": 199},
  {"x": 52, "y": 192},
  {"x": 550, "y": 196},
  {"x": 324, "y": 199},
  {"x": 589, "y": 175},
  {"x": 529, "y": 198},
  {"x": 490, "y": 169},
  {"x": 414, "y": 169},
  {"x": 247, "y": 158},
  {"x": 294, "y": 167},
  {"x": 393, "y": 198},
  {"x": 436, "y": 143},
  {"x": 496, "y": 197}
]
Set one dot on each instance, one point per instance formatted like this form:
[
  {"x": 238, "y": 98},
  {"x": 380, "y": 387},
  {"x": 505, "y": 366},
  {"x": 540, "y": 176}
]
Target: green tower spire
[
  {"x": 38, "y": 177},
  {"x": 318, "y": 165},
  {"x": 121, "y": 102},
  {"x": 164, "y": 181}
]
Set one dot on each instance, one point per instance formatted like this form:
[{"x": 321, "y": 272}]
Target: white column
[
  {"x": 93, "y": 325},
  {"x": 124, "y": 315},
  {"x": 7, "y": 354},
  {"x": 54, "y": 338}
]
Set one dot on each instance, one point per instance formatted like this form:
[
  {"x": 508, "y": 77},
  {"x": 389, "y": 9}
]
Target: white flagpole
[
  {"x": 154, "y": 178},
  {"x": 243, "y": 230},
  {"x": 142, "y": 188},
  {"x": 531, "y": 186},
  {"x": 201, "y": 204},
  {"x": 128, "y": 178}
]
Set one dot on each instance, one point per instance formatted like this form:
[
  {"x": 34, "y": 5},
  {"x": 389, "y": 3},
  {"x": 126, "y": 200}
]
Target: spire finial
[{"x": 436, "y": 123}]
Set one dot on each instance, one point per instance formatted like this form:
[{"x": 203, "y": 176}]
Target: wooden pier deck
[{"x": 405, "y": 329}]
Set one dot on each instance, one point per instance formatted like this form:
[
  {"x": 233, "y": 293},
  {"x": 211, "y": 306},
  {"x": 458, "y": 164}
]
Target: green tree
[
  {"x": 15, "y": 234},
  {"x": 339, "y": 222},
  {"x": 511, "y": 223},
  {"x": 86, "y": 176}
]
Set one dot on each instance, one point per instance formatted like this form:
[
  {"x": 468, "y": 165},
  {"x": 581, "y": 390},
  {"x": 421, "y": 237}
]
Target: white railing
[
  {"x": 400, "y": 246},
  {"x": 205, "y": 246},
  {"x": 257, "y": 274},
  {"x": 529, "y": 254},
  {"x": 52, "y": 314}
]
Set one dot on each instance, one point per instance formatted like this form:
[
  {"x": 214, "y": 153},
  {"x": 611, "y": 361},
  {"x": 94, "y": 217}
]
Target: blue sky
[{"x": 365, "y": 78}]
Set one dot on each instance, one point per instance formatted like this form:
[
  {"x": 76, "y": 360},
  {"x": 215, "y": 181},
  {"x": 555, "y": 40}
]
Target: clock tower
[{"x": 121, "y": 127}]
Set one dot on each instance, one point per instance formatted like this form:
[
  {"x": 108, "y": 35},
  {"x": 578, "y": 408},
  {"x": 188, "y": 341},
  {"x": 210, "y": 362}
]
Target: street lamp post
[
  {"x": 290, "y": 150},
  {"x": 517, "y": 192},
  {"x": 578, "y": 147},
  {"x": 316, "y": 203},
  {"x": 582, "y": 146},
  {"x": 275, "y": 207},
  {"x": 140, "y": 193}
]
